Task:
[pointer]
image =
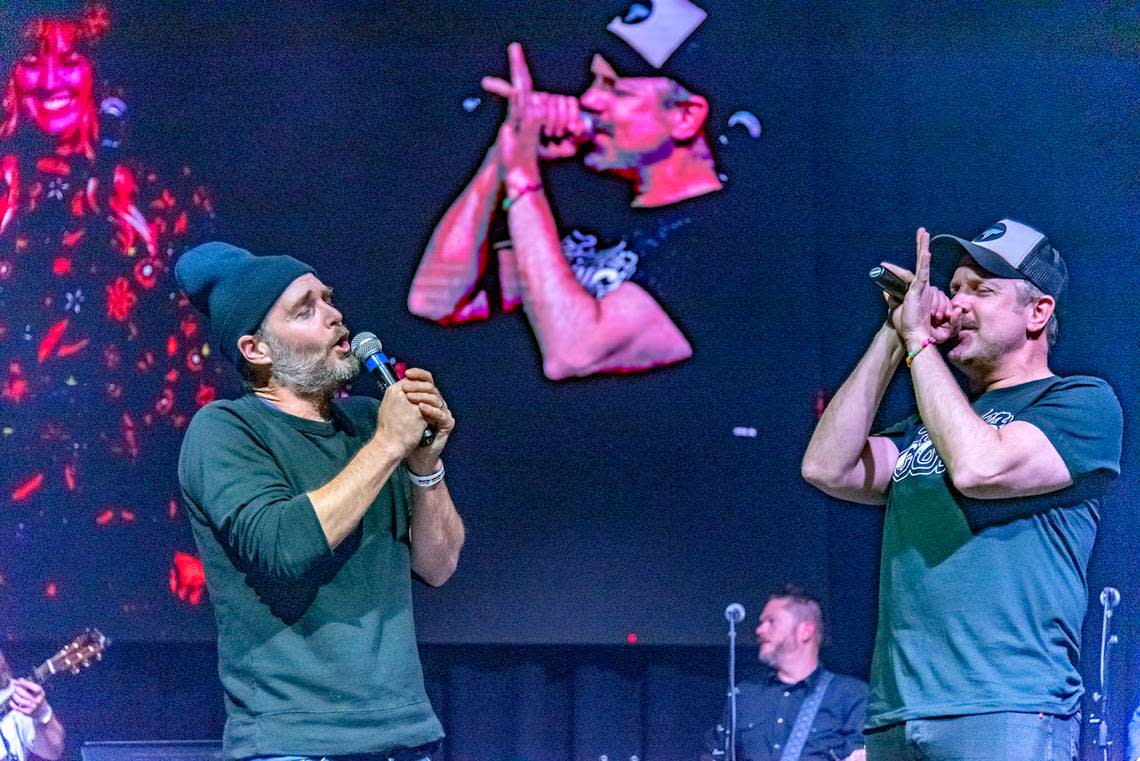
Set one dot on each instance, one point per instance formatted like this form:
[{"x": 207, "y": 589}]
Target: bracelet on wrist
[
  {"x": 910, "y": 355},
  {"x": 517, "y": 195},
  {"x": 425, "y": 481},
  {"x": 47, "y": 717}
]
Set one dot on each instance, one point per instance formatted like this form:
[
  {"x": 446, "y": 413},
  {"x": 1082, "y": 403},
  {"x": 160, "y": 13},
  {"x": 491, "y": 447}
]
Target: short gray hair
[{"x": 1027, "y": 293}]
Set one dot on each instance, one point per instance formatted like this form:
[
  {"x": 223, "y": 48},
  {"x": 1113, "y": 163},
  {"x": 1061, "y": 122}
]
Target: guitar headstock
[{"x": 79, "y": 653}]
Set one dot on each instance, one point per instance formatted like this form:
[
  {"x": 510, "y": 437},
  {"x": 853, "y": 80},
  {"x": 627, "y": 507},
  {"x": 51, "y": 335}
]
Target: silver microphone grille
[
  {"x": 591, "y": 127},
  {"x": 364, "y": 345}
]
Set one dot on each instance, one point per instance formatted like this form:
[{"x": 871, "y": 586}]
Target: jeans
[{"x": 981, "y": 737}]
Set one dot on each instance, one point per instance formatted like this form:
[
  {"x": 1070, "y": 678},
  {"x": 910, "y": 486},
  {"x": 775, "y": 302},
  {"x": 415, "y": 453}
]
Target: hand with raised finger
[
  {"x": 912, "y": 318},
  {"x": 421, "y": 390},
  {"x": 943, "y": 316},
  {"x": 562, "y": 122},
  {"x": 519, "y": 135}
]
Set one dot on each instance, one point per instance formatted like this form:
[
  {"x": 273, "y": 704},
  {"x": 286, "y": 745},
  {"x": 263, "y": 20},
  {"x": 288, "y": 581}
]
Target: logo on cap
[{"x": 992, "y": 233}]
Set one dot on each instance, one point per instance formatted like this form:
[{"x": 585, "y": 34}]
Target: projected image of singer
[
  {"x": 993, "y": 497},
  {"x": 586, "y": 318},
  {"x": 792, "y": 688},
  {"x": 311, "y": 513}
]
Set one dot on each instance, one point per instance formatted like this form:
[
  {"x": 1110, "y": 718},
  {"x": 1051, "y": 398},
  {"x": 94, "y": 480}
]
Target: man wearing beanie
[
  {"x": 992, "y": 498},
  {"x": 311, "y": 513}
]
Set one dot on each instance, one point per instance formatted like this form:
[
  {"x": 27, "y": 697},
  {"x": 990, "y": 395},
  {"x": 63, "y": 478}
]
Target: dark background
[{"x": 609, "y": 506}]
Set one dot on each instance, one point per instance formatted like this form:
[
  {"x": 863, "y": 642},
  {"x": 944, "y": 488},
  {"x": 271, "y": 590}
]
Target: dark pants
[{"x": 980, "y": 737}]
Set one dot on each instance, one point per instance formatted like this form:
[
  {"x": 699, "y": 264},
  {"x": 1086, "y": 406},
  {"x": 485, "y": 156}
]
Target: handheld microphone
[
  {"x": 1110, "y": 597},
  {"x": 366, "y": 347},
  {"x": 587, "y": 130},
  {"x": 734, "y": 613},
  {"x": 889, "y": 282}
]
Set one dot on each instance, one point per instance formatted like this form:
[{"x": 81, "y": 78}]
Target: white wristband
[
  {"x": 46, "y": 718},
  {"x": 425, "y": 481}
]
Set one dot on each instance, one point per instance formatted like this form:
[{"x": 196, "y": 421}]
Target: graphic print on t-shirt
[{"x": 921, "y": 458}]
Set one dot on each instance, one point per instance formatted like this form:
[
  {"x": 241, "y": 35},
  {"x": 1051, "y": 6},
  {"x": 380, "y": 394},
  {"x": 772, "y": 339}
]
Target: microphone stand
[
  {"x": 1101, "y": 718},
  {"x": 730, "y": 736}
]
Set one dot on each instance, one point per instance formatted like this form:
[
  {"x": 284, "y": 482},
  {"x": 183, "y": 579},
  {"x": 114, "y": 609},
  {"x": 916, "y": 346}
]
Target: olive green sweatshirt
[{"x": 316, "y": 647}]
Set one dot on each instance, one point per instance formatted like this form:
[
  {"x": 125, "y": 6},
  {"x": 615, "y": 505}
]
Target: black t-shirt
[{"x": 981, "y": 601}]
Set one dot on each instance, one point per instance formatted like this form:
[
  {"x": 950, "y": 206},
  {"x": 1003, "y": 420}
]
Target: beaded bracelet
[
  {"x": 910, "y": 355},
  {"x": 531, "y": 188}
]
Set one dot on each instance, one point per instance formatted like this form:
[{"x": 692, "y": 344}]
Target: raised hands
[
  {"x": 925, "y": 311},
  {"x": 538, "y": 124}
]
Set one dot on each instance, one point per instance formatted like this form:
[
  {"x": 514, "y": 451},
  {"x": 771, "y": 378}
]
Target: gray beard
[{"x": 310, "y": 374}]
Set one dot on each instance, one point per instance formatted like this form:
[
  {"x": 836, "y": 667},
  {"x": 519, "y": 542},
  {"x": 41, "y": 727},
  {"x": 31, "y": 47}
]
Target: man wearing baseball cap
[
  {"x": 992, "y": 501},
  {"x": 311, "y": 513}
]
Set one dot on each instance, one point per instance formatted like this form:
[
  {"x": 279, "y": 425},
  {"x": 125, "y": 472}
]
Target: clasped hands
[{"x": 925, "y": 312}]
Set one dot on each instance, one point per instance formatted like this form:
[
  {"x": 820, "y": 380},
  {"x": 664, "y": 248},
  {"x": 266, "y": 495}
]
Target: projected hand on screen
[
  {"x": 559, "y": 117},
  {"x": 648, "y": 129},
  {"x": 187, "y": 578}
]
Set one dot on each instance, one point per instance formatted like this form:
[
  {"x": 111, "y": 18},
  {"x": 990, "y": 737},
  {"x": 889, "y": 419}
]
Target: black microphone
[
  {"x": 734, "y": 613},
  {"x": 1110, "y": 597},
  {"x": 367, "y": 348},
  {"x": 889, "y": 282}
]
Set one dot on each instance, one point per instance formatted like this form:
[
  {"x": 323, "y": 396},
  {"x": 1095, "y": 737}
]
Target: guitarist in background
[
  {"x": 794, "y": 691},
  {"x": 28, "y": 724}
]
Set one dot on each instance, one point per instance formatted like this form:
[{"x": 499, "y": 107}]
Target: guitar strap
[{"x": 805, "y": 718}]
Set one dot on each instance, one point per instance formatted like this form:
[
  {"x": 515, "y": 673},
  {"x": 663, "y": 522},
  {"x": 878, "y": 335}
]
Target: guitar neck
[
  {"x": 75, "y": 655},
  {"x": 42, "y": 672}
]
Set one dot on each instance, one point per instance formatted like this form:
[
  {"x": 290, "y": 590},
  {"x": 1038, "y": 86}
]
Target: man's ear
[
  {"x": 805, "y": 630},
  {"x": 1043, "y": 308},
  {"x": 254, "y": 350},
  {"x": 689, "y": 117}
]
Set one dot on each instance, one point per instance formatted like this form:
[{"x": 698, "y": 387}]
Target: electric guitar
[{"x": 73, "y": 657}]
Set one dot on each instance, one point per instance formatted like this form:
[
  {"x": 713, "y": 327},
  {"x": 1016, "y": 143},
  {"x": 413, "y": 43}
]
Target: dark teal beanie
[{"x": 234, "y": 288}]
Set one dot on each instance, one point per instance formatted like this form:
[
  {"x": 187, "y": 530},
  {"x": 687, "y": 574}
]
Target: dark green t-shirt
[
  {"x": 981, "y": 601},
  {"x": 316, "y": 647}
]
